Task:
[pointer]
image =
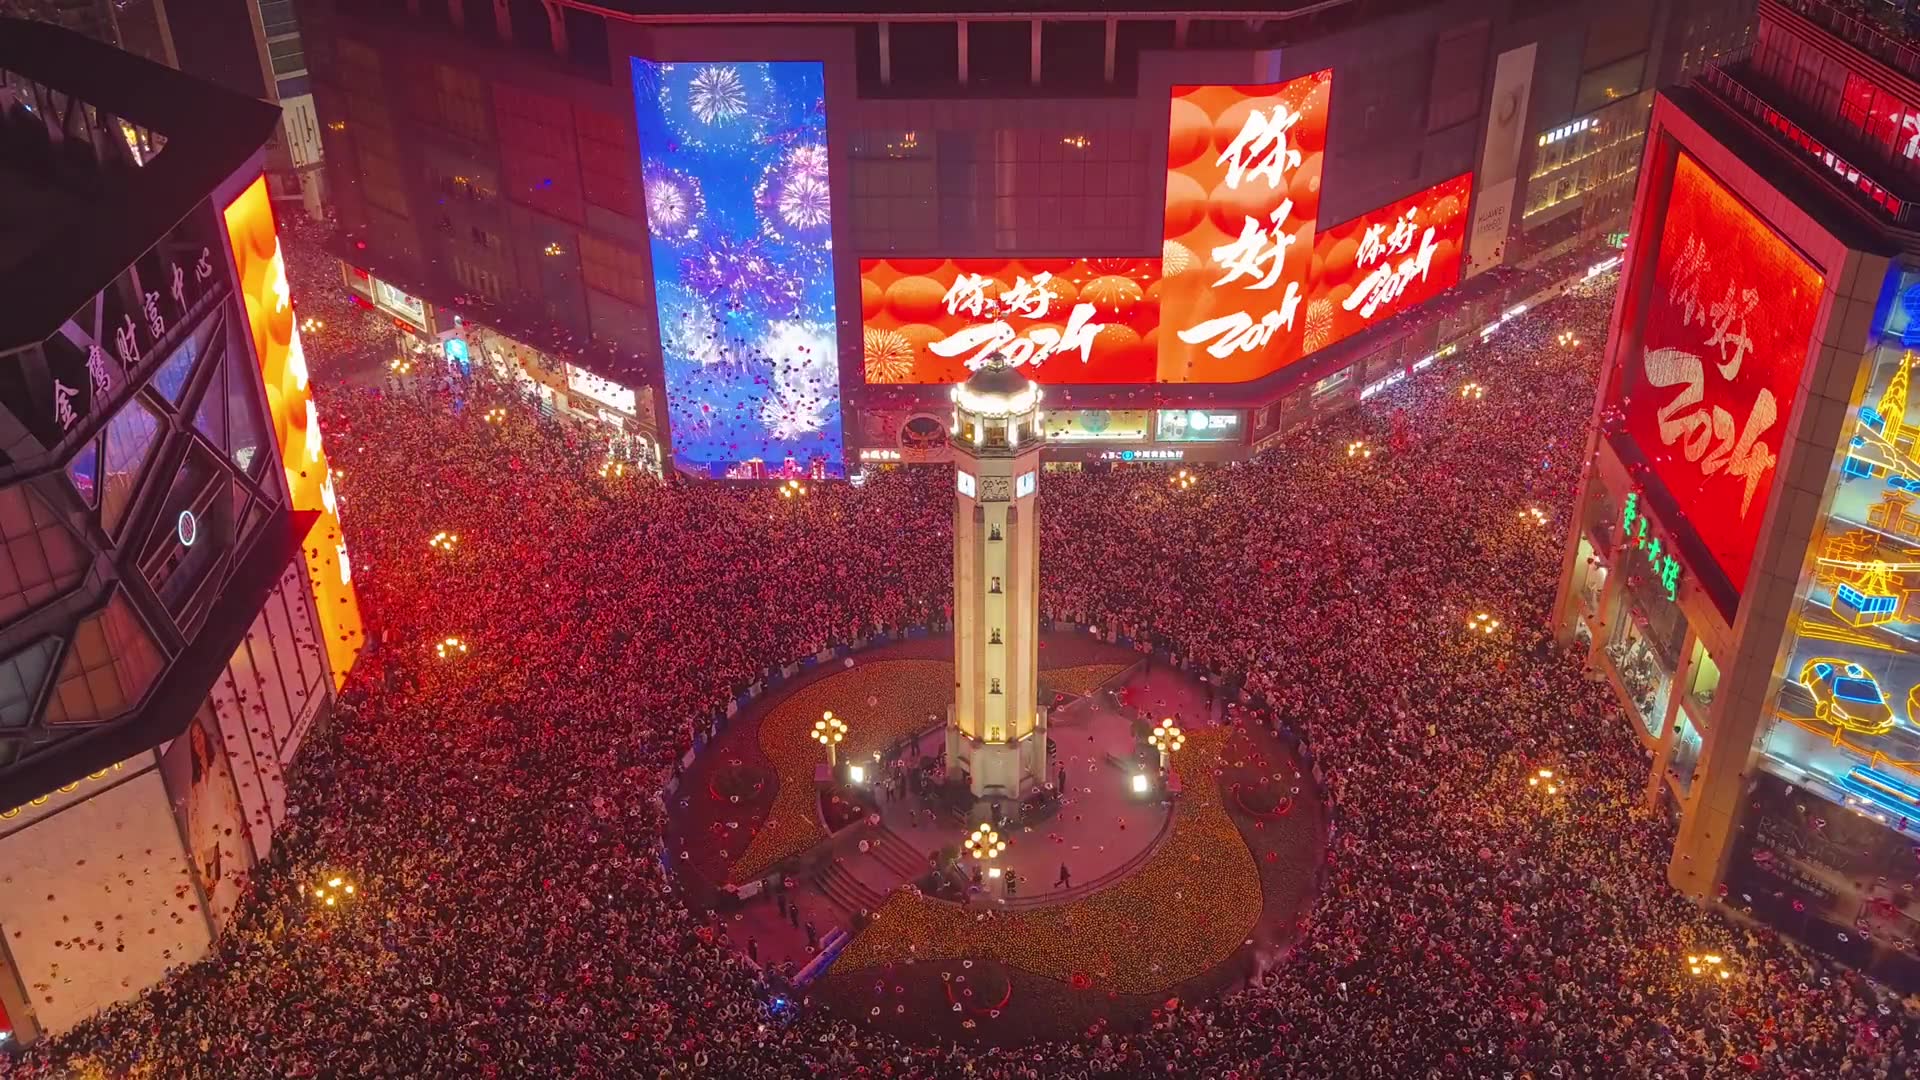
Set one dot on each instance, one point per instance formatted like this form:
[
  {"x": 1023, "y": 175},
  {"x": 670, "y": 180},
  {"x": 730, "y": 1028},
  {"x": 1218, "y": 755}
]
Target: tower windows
[
  {"x": 995, "y": 587},
  {"x": 995, "y": 639},
  {"x": 993, "y": 686}
]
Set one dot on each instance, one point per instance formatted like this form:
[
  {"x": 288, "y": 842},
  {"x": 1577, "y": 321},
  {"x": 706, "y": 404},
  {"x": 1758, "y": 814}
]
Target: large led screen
[
  {"x": 1247, "y": 281},
  {"x": 1726, "y": 326},
  {"x": 734, "y": 170},
  {"x": 262, "y": 276}
]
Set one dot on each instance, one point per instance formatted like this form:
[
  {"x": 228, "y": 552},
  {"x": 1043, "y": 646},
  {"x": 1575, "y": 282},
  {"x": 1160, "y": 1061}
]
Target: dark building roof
[{"x": 77, "y": 250}]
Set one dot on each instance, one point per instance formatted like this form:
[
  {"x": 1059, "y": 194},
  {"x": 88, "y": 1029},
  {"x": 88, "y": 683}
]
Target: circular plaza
[{"x": 1115, "y": 889}]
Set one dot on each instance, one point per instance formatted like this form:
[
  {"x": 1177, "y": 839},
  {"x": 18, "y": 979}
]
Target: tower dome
[{"x": 997, "y": 390}]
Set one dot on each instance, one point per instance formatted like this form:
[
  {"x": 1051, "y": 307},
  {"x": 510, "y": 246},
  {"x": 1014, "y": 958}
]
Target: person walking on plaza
[
  {"x": 813, "y": 937},
  {"x": 1066, "y": 878}
]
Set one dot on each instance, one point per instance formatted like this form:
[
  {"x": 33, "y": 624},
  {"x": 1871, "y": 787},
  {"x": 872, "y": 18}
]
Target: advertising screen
[
  {"x": 1725, "y": 332},
  {"x": 742, "y": 271},
  {"x": 296, "y": 422},
  {"x": 1247, "y": 281}
]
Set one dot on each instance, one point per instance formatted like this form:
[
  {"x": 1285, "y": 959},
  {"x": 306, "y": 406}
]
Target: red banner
[{"x": 1727, "y": 326}]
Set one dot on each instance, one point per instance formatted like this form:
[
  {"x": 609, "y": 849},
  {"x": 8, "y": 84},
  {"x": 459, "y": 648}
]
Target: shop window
[
  {"x": 1685, "y": 756},
  {"x": 1603, "y": 86},
  {"x": 1705, "y": 682},
  {"x": 1589, "y": 577},
  {"x": 130, "y": 441}
]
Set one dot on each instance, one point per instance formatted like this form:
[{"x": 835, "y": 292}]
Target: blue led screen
[{"x": 734, "y": 168}]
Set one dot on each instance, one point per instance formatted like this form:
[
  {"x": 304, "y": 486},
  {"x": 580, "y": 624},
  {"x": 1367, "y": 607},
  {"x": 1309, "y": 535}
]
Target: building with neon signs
[
  {"x": 1743, "y": 565},
  {"x": 176, "y": 599},
  {"x": 785, "y": 229}
]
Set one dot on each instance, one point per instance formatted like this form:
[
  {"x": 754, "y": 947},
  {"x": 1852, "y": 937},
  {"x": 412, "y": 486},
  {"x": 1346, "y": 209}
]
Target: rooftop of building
[
  {"x": 84, "y": 191},
  {"x": 787, "y": 10}
]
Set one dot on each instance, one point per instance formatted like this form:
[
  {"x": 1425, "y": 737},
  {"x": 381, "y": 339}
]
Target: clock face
[
  {"x": 187, "y": 528},
  {"x": 1508, "y": 108},
  {"x": 1025, "y": 486},
  {"x": 964, "y": 481}
]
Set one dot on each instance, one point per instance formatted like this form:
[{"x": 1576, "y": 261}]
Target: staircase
[{"x": 857, "y": 882}]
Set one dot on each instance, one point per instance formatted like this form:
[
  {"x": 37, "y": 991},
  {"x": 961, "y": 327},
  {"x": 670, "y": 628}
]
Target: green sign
[{"x": 1651, "y": 545}]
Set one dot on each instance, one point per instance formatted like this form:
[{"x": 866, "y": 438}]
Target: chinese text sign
[{"x": 1726, "y": 327}]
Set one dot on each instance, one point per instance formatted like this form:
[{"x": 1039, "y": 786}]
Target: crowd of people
[{"x": 503, "y": 812}]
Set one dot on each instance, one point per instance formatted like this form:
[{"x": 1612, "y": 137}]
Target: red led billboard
[
  {"x": 1246, "y": 282},
  {"x": 1725, "y": 331}
]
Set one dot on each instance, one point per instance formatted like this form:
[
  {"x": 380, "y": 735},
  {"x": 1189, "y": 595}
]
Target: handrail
[
  {"x": 1865, "y": 34},
  {"x": 1727, "y": 87}
]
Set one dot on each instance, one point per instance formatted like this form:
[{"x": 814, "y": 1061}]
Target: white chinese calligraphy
[
  {"x": 1387, "y": 281},
  {"x": 1688, "y": 272},
  {"x": 150, "y": 307},
  {"x": 1028, "y": 299},
  {"x": 1722, "y": 315},
  {"x": 279, "y": 271},
  {"x": 1261, "y": 150},
  {"x": 126, "y": 345},
  {"x": 97, "y": 371},
  {"x": 1911, "y": 122},
  {"x": 63, "y": 413},
  {"x": 1238, "y": 332},
  {"x": 1038, "y": 344},
  {"x": 203, "y": 267},
  {"x": 178, "y": 286},
  {"x": 1259, "y": 252},
  {"x": 968, "y": 295}
]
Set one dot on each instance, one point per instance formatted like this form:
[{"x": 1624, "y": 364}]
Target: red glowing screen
[
  {"x": 1726, "y": 326},
  {"x": 1246, "y": 283}
]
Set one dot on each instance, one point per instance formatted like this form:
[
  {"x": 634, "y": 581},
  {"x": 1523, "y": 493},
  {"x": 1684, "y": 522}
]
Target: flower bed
[
  {"x": 881, "y": 701},
  {"x": 1077, "y": 681},
  {"x": 1192, "y": 904}
]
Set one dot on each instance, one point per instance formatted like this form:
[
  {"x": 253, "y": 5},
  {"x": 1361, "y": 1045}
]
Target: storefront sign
[
  {"x": 605, "y": 391},
  {"x": 1152, "y": 454},
  {"x": 1196, "y": 425},
  {"x": 879, "y": 453},
  {"x": 397, "y": 303},
  {"x": 1649, "y": 542}
]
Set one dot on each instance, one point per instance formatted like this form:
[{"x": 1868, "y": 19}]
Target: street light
[
  {"x": 495, "y": 415},
  {"x": 451, "y": 648},
  {"x": 1166, "y": 738},
  {"x": 984, "y": 843},
  {"x": 1568, "y": 339},
  {"x": 793, "y": 489},
  {"x": 1708, "y": 966},
  {"x": 1544, "y": 780},
  {"x": 612, "y": 470},
  {"x": 330, "y": 894},
  {"x": 1183, "y": 479},
  {"x": 1534, "y": 515},
  {"x": 443, "y": 541},
  {"x": 828, "y": 731},
  {"x": 1483, "y": 623},
  {"x": 1359, "y": 449},
  {"x": 1473, "y": 391}
]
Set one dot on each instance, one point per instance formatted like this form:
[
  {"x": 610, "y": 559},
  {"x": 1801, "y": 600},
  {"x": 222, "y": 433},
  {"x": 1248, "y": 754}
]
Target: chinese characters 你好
[
  {"x": 1254, "y": 261},
  {"x": 1026, "y": 300},
  {"x": 1686, "y": 419}
]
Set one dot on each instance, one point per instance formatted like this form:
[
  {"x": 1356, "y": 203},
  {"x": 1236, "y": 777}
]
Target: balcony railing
[
  {"x": 1727, "y": 87},
  {"x": 1862, "y": 31}
]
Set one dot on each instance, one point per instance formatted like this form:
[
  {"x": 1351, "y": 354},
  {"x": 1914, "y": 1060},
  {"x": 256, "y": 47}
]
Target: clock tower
[{"x": 996, "y": 731}]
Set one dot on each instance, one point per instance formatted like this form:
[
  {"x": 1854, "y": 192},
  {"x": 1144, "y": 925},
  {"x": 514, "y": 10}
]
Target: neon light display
[
  {"x": 1633, "y": 524},
  {"x": 1246, "y": 282},
  {"x": 296, "y": 423},
  {"x": 1726, "y": 326},
  {"x": 739, "y": 214}
]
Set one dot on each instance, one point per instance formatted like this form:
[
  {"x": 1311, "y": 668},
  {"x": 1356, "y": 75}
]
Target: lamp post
[
  {"x": 828, "y": 731},
  {"x": 984, "y": 845},
  {"x": 1708, "y": 966},
  {"x": 1545, "y": 780},
  {"x": 1166, "y": 738}
]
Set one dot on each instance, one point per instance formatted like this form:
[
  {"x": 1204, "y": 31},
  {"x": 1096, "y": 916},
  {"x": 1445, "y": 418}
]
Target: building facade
[
  {"x": 176, "y": 603},
  {"x": 1738, "y": 564},
  {"x": 251, "y": 47},
  {"x": 570, "y": 177}
]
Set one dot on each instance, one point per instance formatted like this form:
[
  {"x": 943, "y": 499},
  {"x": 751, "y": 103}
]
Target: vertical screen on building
[
  {"x": 262, "y": 280},
  {"x": 734, "y": 170},
  {"x": 1726, "y": 325}
]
